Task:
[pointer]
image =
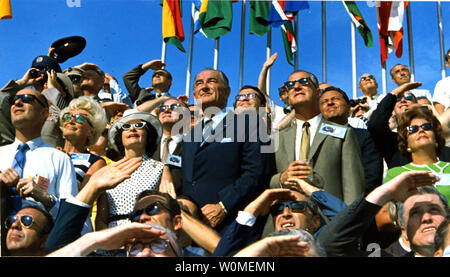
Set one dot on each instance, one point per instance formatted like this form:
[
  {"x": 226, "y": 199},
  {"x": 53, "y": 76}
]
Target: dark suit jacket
[
  {"x": 68, "y": 225},
  {"x": 385, "y": 139},
  {"x": 230, "y": 169},
  {"x": 371, "y": 159},
  {"x": 131, "y": 82},
  {"x": 174, "y": 170}
]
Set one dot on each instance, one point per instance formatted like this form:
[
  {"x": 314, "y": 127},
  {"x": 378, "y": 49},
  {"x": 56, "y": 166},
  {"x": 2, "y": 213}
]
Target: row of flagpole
[{"x": 324, "y": 49}]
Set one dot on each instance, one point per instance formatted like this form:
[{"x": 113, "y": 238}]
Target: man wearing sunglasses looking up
[
  {"x": 400, "y": 75},
  {"x": 317, "y": 145},
  {"x": 28, "y": 231},
  {"x": 32, "y": 170}
]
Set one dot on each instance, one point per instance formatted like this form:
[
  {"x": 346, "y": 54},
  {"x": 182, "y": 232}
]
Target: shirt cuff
[
  {"x": 77, "y": 202},
  {"x": 246, "y": 218}
]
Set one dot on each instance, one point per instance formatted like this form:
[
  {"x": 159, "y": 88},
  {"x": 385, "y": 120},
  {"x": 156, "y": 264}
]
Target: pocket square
[{"x": 226, "y": 140}]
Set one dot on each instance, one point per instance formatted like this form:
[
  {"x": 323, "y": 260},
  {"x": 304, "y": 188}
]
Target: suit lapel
[
  {"x": 218, "y": 131},
  {"x": 318, "y": 139},
  {"x": 289, "y": 143}
]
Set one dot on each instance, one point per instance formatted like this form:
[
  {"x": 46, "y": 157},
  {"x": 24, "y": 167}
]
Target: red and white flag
[{"x": 390, "y": 19}]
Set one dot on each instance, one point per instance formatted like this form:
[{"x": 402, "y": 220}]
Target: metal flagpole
[
  {"x": 163, "y": 54},
  {"x": 441, "y": 37},
  {"x": 241, "y": 57},
  {"x": 352, "y": 26},
  {"x": 324, "y": 42},
  {"x": 268, "y": 54},
  {"x": 384, "y": 78},
  {"x": 216, "y": 54},
  {"x": 296, "y": 39},
  {"x": 191, "y": 45},
  {"x": 410, "y": 42}
]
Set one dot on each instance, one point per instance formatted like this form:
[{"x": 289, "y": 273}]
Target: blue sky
[{"x": 121, "y": 34}]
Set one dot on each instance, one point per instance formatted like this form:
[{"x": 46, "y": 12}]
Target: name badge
[
  {"x": 174, "y": 160},
  {"x": 333, "y": 130},
  {"x": 80, "y": 156}
]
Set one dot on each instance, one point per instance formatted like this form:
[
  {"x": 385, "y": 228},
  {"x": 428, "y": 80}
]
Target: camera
[
  {"x": 355, "y": 102},
  {"x": 287, "y": 109},
  {"x": 35, "y": 73}
]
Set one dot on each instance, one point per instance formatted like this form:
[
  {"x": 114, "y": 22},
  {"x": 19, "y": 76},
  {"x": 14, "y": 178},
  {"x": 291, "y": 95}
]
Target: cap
[
  {"x": 68, "y": 47},
  {"x": 46, "y": 62}
]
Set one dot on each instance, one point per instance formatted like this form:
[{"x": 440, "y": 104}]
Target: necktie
[
  {"x": 207, "y": 129},
  {"x": 165, "y": 152},
  {"x": 304, "y": 147},
  {"x": 15, "y": 203}
]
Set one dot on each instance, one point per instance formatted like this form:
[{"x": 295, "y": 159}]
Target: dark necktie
[
  {"x": 165, "y": 152},
  {"x": 207, "y": 129},
  {"x": 15, "y": 202}
]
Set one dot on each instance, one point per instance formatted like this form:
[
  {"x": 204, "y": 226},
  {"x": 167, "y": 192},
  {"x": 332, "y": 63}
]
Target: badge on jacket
[
  {"x": 174, "y": 160},
  {"x": 333, "y": 130}
]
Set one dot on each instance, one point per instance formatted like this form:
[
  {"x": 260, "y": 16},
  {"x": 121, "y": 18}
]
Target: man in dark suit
[
  {"x": 335, "y": 107},
  {"x": 222, "y": 165}
]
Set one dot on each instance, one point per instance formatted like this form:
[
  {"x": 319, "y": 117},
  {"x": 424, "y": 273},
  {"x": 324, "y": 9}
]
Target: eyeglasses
[
  {"x": 79, "y": 118},
  {"x": 137, "y": 125},
  {"x": 414, "y": 128},
  {"x": 25, "y": 220},
  {"x": 303, "y": 81},
  {"x": 294, "y": 206},
  {"x": 369, "y": 77},
  {"x": 156, "y": 246},
  {"x": 407, "y": 97},
  {"x": 26, "y": 98},
  {"x": 172, "y": 107},
  {"x": 241, "y": 97},
  {"x": 74, "y": 78}
]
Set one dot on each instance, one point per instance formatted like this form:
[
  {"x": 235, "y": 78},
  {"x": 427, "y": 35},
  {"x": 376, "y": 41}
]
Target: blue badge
[
  {"x": 332, "y": 130},
  {"x": 80, "y": 156},
  {"x": 174, "y": 160}
]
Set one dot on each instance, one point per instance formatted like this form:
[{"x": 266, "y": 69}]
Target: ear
[
  {"x": 404, "y": 233},
  {"x": 438, "y": 253},
  {"x": 177, "y": 222}
]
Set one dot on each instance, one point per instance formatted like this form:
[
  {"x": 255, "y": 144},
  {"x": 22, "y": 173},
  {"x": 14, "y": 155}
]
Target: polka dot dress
[{"x": 122, "y": 198}]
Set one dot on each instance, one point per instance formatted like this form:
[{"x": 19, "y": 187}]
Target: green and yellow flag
[{"x": 216, "y": 17}]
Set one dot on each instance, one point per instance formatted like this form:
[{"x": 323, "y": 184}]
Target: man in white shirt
[
  {"x": 39, "y": 174},
  {"x": 441, "y": 95}
]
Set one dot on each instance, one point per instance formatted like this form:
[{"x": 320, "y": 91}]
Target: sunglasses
[
  {"x": 172, "y": 107},
  {"x": 156, "y": 246},
  {"x": 303, "y": 81},
  {"x": 26, "y": 98},
  {"x": 407, "y": 97},
  {"x": 137, "y": 125},
  {"x": 370, "y": 77},
  {"x": 79, "y": 118},
  {"x": 134, "y": 216},
  {"x": 241, "y": 97},
  {"x": 414, "y": 128},
  {"x": 74, "y": 78},
  {"x": 25, "y": 220},
  {"x": 294, "y": 206}
]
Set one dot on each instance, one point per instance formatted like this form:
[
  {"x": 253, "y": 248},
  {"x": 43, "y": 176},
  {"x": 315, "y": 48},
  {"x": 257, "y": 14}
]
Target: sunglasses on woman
[
  {"x": 25, "y": 220},
  {"x": 414, "y": 128},
  {"x": 26, "y": 98},
  {"x": 137, "y": 125},
  {"x": 172, "y": 107},
  {"x": 407, "y": 97},
  {"x": 79, "y": 118},
  {"x": 303, "y": 81},
  {"x": 157, "y": 246},
  {"x": 294, "y": 206}
]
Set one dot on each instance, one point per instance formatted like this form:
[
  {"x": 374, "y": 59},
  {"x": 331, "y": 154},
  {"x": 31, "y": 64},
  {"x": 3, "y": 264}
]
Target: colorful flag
[
  {"x": 5, "y": 9},
  {"x": 390, "y": 19},
  {"x": 290, "y": 46},
  {"x": 358, "y": 20},
  {"x": 196, "y": 15},
  {"x": 284, "y": 11},
  {"x": 259, "y": 12},
  {"x": 216, "y": 17},
  {"x": 172, "y": 26}
]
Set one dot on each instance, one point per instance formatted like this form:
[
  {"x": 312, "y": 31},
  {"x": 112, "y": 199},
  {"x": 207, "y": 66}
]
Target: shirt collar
[
  {"x": 33, "y": 144},
  {"x": 313, "y": 121},
  {"x": 176, "y": 138},
  {"x": 218, "y": 117}
]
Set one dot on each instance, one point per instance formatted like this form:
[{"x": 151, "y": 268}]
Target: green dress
[{"x": 440, "y": 168}]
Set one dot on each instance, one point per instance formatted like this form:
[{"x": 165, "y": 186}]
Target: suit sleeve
[
  {"x": 373, "y": 164},
  {"x": 131, "y": 82},
  {"x": 353, "y": 181}
]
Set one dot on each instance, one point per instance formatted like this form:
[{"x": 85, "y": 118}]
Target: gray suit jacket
[{"x": 336, "y": 160}]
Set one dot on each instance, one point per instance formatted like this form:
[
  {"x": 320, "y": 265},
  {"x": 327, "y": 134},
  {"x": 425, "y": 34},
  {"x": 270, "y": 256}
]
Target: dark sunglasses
[
  {"x": 137, "y": 125},
  {"x": 74, "y": 78},
  {"x": 26, "y": 98},
  {"x": 294, "y": 206},
  {"x": 370, "y": 77},
  {"x": 414, "y": 128},
  {"x": 172, "y": 107},
  {"x": 303, "y": 81},
  {"x": 156, "y": 246},
  {"x": 79, "y": 118},
  {"x": 25, "y": 220},
  {"x": 134, "y": 216},
  {"x": 407, "y": 97},
  {"x": 241, "y": 97}
]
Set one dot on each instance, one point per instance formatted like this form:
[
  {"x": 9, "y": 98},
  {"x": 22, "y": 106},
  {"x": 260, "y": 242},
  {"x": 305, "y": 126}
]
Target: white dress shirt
[
  {"x": 314, "y": 124},
  {"x": 172, "y": 144}
]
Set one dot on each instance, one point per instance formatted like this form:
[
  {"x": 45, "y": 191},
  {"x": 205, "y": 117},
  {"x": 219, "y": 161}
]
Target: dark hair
[
  {"x": 150, "y": 147},
  {"x": 168, "y": 75},
  {"x": 262, "y": 98},
  {"x": 441, "y": 235},
  {"x": 186, "y": 197},
  {"x": 391, "y": 71},
  {"x": 222, "y": 75},
  {"x": 49, "y": 218},
  {"x": 344, "y": 95},
  {"x": 311, "y": 202},
  {"x": 405, "y": 120},
  {"x": 170, "y": 203}
]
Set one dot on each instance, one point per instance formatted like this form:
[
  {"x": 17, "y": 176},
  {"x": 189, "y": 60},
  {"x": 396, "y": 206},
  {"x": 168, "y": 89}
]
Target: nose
[
  {"x": 16, "y": 225},
  {"x": 287, "y": 212}
]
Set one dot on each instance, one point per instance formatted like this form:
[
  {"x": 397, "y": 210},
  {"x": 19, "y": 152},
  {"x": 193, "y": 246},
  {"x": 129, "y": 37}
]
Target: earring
[{"x": 409, "y": 150}]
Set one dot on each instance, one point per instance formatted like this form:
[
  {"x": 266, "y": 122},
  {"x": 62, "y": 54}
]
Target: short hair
[
  {"x": 49, "y": 218},
  {"x": 420, "y": 191},
  {"x": 441, "y": 235},
  {"x": 168, "y": 75},
  {"x": 316, "y": 249},
  {"x": 311, "y": 75},
  {"x": 392, "y": 69},
  {"x": 262, "y": 98},
  {"x": 170, "y": 203},
  {"x": 404, "y": 121},
  {"x": 423, "y": 97},
  {"x": 222, "y": 75},
  {"x": 187, "y": 197},
  {"x": 97, "y": 115},
  {"x": 343, "y": 93}
]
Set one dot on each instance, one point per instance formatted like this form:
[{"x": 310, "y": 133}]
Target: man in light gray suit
[{"x": 314, "y": 146}]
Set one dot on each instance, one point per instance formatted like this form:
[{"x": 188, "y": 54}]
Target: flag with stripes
[
  {"x": 283, "y": 11},
  {"x": 172, "y": 26},
  {"x": 290, "y": 46},
  {"x": 360, "y": 23}
]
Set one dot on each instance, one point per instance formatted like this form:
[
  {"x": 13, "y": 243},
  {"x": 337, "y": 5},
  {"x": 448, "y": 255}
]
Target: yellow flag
[{"x": 5, "y": 9}]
